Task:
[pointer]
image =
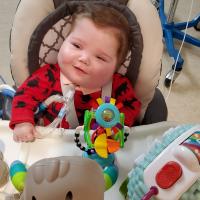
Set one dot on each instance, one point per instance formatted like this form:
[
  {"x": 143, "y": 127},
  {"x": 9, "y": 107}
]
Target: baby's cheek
[
  {"x": 59, "y": 57},
  {"x": 62, "y": 61},
  {"x": 103, "y": 77},
  {"x": 62, "y": 54},
  {"x": 108, "y": 72}
]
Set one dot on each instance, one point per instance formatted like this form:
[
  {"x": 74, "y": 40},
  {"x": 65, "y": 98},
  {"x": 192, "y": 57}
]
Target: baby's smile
[{"x": 80, "y": 70}]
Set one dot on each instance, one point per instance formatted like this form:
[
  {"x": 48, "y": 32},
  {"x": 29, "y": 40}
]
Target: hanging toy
[
  {"x": 104, "y": 134},
  {"x": 18, "y": 173},
  {"x": 170, "y": 170}
]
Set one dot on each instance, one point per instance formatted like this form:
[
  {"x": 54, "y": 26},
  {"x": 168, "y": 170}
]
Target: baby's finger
[
  {"x": 21, "y": 139},
  {"x": 29, "y": 138},
  {"x": 15, "y": 138},
  {"x": 24, "y": 138},
  {"x": 37, "y": 134}
]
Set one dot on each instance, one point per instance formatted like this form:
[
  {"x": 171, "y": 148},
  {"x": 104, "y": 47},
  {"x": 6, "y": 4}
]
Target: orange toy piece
[{"x": 113, "y": 145}]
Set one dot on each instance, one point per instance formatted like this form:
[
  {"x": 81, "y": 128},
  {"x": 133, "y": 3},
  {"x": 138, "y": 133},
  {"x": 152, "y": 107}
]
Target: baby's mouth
[{"x": 79, "y": 69}]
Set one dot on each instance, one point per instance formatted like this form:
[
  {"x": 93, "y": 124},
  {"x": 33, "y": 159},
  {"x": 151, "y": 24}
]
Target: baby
[{"x": 93, "y": 51}]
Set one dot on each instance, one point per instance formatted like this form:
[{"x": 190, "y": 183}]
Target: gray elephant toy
[{"x": 63, "y": 178}]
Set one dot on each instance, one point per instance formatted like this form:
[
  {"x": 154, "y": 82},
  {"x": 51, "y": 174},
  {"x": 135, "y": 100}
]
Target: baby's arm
[
  {"x": 123, "y": 92},
  {"x": 33, "y": 91}
]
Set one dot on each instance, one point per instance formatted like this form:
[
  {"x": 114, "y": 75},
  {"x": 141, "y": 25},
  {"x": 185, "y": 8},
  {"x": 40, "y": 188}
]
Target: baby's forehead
[
  {"x": 86, "y": 21},
  {"x": 87, "y": 27}
]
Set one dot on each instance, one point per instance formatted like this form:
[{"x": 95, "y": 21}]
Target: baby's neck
[{"x": 84, "y": 90}]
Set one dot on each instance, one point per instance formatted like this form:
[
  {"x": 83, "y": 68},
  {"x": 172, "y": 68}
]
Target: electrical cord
[{"x": 185, "y": 32}]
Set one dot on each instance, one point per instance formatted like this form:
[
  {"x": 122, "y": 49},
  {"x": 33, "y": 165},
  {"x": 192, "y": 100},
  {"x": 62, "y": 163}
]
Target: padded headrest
[{"x": 42, "y": 51}]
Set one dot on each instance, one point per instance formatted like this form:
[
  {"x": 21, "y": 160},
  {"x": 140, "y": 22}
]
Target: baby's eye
[
  {"x": 101, "y": 58},
  {"x": 76, "y": 45}
]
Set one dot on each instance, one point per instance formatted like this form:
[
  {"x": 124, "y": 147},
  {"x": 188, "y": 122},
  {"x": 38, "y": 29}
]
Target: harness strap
[
  {"x": 71, "y": 116},
  {"x": 107, "y": 90}
]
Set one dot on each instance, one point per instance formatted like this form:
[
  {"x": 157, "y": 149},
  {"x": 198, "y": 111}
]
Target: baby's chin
[
  {"x": 79, "y": 82},
  {"x": 91, "y": 85},
  {"x": 88, "y": 86}
]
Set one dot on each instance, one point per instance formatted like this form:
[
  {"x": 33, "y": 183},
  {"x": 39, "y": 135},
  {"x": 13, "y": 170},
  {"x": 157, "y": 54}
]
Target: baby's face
[{"x": 88, "y": 56}]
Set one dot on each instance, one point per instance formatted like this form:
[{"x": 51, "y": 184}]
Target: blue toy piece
[
  {"x": 110, "y": 170},
  {"x": 170, "y": 169},
  {"x": 107, "y": 115},
  {"x": 173, "y": 30},
  {"x": 18, "y": 173}
]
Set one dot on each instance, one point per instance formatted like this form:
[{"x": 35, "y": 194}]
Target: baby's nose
[{"x": 84, "y": 58}]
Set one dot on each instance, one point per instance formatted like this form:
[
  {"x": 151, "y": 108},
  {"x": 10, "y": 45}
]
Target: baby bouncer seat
[
  {"x": 38, "y": 31},
  {"x": 39, "y": 44}
]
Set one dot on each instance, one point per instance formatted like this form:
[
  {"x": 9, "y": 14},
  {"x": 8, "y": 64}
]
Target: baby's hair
[
  {"x": 107, "y": 17},
  {"x": 122, "y": 1}
]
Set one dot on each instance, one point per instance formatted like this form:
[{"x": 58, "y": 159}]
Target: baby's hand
[{"x": 24, "y": 132}]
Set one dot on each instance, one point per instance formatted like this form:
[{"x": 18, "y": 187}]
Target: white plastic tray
[{"x": 61, "y": 142}]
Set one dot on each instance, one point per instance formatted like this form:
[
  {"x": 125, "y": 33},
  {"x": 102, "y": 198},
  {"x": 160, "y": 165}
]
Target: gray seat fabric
[{"x": 156, "y": 110}]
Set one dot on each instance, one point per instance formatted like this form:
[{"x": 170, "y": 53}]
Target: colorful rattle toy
[
  {"x": 18, "y": 173},
  {"x": 104, "y": 134},
  {"x": 171, "y": 169}
]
